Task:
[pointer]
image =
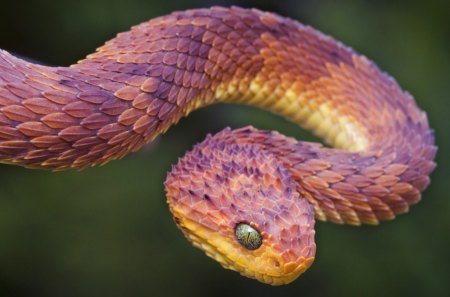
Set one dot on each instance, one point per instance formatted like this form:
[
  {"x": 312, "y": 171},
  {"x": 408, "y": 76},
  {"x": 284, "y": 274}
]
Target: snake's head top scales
[{"x": 241, "y": 207}]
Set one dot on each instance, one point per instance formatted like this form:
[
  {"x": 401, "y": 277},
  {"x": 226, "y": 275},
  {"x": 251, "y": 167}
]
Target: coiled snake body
[{"x": 247, "y": 197}]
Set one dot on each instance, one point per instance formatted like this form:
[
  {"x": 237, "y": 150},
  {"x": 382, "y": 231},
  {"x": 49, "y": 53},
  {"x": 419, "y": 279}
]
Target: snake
[{"x": 248, "y": 198}]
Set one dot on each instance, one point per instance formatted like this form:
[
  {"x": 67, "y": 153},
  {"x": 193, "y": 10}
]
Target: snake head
[{"x": 239, "y": 205}]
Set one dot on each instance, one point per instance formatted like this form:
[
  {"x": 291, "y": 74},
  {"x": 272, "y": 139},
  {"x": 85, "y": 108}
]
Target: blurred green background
[{"x": 107, "y": 231}]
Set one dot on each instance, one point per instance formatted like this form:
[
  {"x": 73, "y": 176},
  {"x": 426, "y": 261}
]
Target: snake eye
[{"x": 248, "y": 236}]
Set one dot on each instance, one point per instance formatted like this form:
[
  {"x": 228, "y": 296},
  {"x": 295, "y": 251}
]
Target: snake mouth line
[{"x": 204, "y": 239}]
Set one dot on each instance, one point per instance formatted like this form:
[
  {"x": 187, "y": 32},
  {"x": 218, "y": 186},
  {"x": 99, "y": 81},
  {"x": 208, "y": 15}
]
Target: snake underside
[{"x": 141, "y": 82}]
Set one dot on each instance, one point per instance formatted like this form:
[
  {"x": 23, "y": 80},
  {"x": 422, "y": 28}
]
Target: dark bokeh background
[{"x": 107, "y": 231}]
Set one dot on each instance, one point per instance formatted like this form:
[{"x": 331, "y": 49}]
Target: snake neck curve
[{"x": 141, "y": 82}]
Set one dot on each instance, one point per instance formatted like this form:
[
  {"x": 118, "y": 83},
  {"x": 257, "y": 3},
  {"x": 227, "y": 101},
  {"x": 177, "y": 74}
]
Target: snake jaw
[
  {"x": 219, "y": 185},
  {"x": 267, "y": 264}
]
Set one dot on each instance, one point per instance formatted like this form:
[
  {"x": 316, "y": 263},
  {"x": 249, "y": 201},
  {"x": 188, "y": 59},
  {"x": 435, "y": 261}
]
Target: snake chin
[{"x": 218, "y": 185}]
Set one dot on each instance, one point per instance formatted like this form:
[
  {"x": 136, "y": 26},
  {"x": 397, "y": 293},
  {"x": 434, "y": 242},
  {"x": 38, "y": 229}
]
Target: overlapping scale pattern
[{"x": 141, "y": 82}]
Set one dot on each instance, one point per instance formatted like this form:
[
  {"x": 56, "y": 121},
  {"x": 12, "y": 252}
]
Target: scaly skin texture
[{"x": 140, "y": 83}]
